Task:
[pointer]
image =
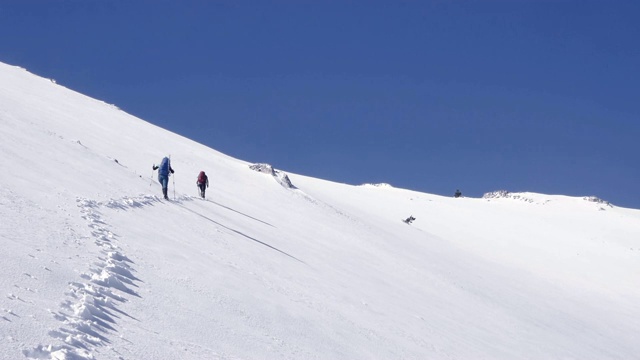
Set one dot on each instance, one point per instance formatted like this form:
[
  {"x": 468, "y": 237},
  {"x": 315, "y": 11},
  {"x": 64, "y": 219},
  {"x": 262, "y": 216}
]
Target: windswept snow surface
[{"x": 95, "y": 265}]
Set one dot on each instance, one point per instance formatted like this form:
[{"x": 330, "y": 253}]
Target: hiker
[
  {"x": 163, "y": 174},
  {"x": 202, "y": 182},
  {"x": 409, "y": 219},
  {"x": 457, "y": 194}
]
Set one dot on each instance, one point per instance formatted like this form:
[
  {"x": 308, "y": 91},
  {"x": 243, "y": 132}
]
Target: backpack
[
  {"x": 164, "y": 166},
  {"x": 202, "y": 178}
]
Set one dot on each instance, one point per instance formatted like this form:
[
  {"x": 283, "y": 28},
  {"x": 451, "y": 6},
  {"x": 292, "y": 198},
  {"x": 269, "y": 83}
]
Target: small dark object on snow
[
  {"x": 457, "y": 194},
  {"x": 409, "y": 219}
]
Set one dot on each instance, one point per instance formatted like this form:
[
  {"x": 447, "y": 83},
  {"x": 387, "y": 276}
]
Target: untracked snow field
[{"x": 95, "y": 264}]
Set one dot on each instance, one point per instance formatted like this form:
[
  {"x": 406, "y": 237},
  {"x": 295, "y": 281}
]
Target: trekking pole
[
  {"x": 151, "y": 178},
  {"x": 174, "y": 187}
]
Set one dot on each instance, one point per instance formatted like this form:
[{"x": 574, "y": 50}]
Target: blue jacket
[{"x": 165, "y": 167}]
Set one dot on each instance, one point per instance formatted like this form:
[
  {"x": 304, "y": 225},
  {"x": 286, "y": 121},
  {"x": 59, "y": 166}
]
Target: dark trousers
[{"x": 164, "y": 181}]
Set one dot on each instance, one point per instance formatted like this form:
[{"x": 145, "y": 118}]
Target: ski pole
[
  {"x": 151, "y": 178},
  {"x": 174, "y": 187}
]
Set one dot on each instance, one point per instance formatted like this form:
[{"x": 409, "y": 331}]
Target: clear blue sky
[{"x": 433, "y": 96}]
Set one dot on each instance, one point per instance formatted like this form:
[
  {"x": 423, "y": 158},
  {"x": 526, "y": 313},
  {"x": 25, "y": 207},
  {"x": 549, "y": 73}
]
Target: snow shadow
[
  {"x": 241, "y": 213},
  {"x": 242, "y": 234}
]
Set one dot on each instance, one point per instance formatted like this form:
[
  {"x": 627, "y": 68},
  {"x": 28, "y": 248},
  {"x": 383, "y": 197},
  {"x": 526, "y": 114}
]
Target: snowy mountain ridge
[{"x": 96, "y": 265}]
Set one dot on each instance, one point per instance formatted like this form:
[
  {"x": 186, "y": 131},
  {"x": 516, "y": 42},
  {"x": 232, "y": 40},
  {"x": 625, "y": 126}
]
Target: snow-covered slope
[{"x": 94, "y": 265}]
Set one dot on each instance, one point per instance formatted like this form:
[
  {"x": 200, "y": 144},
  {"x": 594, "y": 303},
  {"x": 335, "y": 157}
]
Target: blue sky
[{"x": 433, "y": 96}]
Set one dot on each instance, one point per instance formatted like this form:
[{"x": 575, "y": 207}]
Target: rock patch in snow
[
  {"x": 504, "y": 194},
  {"x": 378, "y": 185},
  {"x": 597, "y": 200},
  {"x": 280, "y": 176}
]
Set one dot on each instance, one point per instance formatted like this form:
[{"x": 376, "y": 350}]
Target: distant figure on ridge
[
  {"x": 163, "y": 174},
  {"x": 202, "y": 182},
  {"x": 457, "y": 194}
]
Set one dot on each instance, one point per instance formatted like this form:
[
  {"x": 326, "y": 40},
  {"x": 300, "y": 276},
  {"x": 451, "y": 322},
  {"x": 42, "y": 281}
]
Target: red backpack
[{"x": 202, "y": 178}]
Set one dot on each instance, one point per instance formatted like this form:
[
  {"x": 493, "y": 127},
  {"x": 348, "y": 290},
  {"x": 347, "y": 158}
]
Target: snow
[{"x": 275, "y": 265}]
